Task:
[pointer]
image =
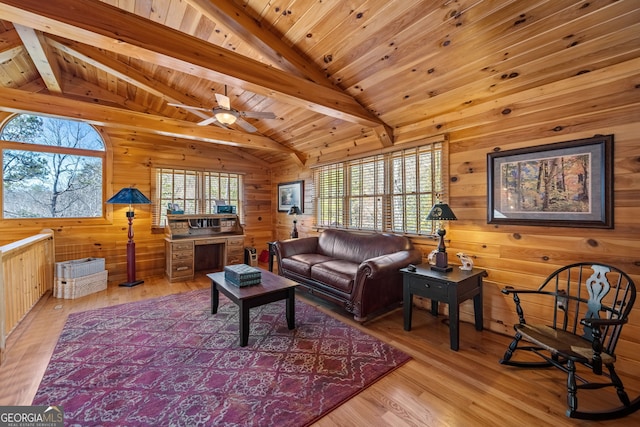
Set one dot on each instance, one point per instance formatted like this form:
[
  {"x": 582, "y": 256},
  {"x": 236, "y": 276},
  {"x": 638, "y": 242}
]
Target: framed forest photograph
[{"x": 565, "y": 184}]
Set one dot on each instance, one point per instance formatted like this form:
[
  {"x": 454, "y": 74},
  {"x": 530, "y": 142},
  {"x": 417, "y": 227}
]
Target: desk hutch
[{"x": 204, "y": 242}]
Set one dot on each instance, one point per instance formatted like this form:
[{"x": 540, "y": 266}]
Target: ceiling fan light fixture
[{"x": 225, "y": 117}]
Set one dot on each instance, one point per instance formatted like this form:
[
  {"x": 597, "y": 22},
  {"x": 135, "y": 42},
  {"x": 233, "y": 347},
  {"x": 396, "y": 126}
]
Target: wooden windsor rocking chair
[{"x": 591, "y": 303}]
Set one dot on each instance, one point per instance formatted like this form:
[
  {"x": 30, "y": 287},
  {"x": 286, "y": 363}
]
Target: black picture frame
[
  {"x": 290, "y": 194},
  {"x": 564, "y": 184}
]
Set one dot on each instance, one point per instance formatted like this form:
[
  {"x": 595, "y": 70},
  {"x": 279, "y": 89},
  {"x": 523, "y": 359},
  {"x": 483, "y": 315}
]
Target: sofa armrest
[
  {"x": 389, "y": 262},
  {"x": 304, "y": 245},
  {"x": 378, "y": 282}
]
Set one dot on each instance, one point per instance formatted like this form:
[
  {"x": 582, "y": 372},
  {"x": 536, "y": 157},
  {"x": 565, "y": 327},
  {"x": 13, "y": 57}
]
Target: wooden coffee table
[{"x": 272, "y": 288}]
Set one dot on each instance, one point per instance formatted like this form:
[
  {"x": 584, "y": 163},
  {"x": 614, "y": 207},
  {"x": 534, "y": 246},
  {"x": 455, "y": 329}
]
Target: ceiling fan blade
[
  {"x": 258, "y": 114},
  {"x": 223, "y": 101},
  {"x": 222, "y": 125},
  {"x": 208, "y": 121},
  {"x": 189, "y": 107},
  {"x": 245, "y": 125}
]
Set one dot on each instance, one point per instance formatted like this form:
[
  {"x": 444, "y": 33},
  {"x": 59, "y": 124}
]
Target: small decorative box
[{"x": 242, "y": 275}]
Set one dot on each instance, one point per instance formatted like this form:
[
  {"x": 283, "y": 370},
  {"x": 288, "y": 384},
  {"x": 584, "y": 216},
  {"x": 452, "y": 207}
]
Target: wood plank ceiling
[{"x": 339, "y": 75}]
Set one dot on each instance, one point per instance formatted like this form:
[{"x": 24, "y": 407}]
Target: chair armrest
[
  {"x": 511, "y": 290},
  {"x": 516, "y": 299},
  {"x": 591, "y": 322}
]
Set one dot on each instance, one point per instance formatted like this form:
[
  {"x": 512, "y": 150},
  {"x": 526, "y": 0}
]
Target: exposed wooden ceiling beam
[
  {"x": 41, "y": 55},
  {"x": 267, "y": 43},
  {"x": 112, "y": 66},
  {"x": 76, "y": 87},
  {"x": 114, "y": 29},
  {"x": 18, "y": 101}
]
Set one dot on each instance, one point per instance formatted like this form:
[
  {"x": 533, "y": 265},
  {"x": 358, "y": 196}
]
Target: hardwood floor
[{"x": 439, "y": 387}]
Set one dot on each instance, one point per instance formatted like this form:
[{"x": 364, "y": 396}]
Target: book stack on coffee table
[{"x": 242, "y": 275}]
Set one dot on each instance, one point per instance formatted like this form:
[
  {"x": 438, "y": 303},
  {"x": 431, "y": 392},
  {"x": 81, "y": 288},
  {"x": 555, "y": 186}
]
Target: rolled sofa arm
[
  {"x": 389, "y": 262},
  {"x": 304, "y": 245},
  {"x": 378, "y": 282}
]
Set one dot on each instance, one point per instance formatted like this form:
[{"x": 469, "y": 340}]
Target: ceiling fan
[{"x": 224, "y": 115}]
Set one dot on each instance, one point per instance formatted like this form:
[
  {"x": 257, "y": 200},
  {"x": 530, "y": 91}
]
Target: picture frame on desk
[
  {"x": 565, "y": 184},
  {"x": 290, "y": 194}
]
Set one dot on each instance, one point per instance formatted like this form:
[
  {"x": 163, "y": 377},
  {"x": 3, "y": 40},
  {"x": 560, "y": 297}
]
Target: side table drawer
[{"x": 427, "y": 289}]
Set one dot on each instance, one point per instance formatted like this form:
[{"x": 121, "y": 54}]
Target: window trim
[{"x": 107, "y": 178}]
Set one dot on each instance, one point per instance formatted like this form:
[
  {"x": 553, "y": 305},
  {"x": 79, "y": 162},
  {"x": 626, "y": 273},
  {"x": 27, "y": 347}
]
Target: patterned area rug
[{"x": 169, "y": 361}]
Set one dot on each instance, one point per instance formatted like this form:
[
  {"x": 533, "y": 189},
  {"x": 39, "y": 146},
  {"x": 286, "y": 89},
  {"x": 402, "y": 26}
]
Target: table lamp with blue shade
[
  {"x": 441, "y": 212},
  {"x": 130, "y": 196}
]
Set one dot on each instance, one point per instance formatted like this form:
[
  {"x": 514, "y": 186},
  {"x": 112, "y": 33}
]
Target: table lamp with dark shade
[
  {"x": 295, "y": 211},
  {"x": 441, "y": 212},
  {"x": 130, "y": 196}
]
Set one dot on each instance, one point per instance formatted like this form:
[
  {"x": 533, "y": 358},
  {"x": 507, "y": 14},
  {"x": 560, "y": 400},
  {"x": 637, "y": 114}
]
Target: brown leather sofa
[{"x": 357, "y": 271}]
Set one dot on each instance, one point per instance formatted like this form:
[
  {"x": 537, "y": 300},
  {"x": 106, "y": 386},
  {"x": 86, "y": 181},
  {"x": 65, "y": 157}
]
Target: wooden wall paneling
[
  {"x": 508, "y": 74},
  {"x": 259, "y": 210},
  {"x": 492, "y": 75},
  {"x": 133, "y": 156},
  {"x": 346, "y": 62},
  {"x": 283, "y": 223},
  {"x": 524, "y": 256}
]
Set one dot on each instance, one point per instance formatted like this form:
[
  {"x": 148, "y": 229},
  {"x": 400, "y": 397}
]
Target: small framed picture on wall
[{"x": 290, "y": 194}]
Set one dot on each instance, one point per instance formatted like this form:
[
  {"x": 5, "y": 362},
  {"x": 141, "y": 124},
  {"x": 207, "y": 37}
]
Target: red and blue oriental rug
[{"x": 169, "y": 361}]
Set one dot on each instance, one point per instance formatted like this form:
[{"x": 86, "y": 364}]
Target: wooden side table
[{"x": 452, "y": 287}]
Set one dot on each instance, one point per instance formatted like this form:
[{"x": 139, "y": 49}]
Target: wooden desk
[
  {"x": 185, "y": 256},
  {"x": 200, "y": 243},
  {"x": 452, "y": 288}
]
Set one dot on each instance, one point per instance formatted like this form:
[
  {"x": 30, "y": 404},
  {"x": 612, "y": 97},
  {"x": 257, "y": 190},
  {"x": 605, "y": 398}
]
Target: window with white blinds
[
  {"x": 366, "y": 193},
  {"x": 390, "y": 192},
  {"x": 194, "y": 191},
  {"x": 330, "y": 197}
]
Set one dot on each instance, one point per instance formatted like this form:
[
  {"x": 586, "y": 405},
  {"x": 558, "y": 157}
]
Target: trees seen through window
[{"x": 51, "y": 168}]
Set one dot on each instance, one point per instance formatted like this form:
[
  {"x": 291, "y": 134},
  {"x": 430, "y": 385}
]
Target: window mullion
[
  {"x": 200, "y": 176},
  {"x": 404, "y": 191},
  {"x": 346, "y": 197},
  {"x": 362, "y": 197}
]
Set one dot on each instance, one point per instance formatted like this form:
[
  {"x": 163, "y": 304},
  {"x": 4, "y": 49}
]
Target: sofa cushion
[
  {"x": 356, "y": 247},
  {"x": 302, "y": 263},
  {"x": 360, "y": 272},
  {"x": 337, "y": 273}
]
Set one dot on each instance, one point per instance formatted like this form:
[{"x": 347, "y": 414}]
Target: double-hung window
[
  {"x": 390, "y": 192},
  {"x": 194, "y": 191}
]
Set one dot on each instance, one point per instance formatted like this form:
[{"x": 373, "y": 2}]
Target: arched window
[{"x": 51, "y": 168}]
